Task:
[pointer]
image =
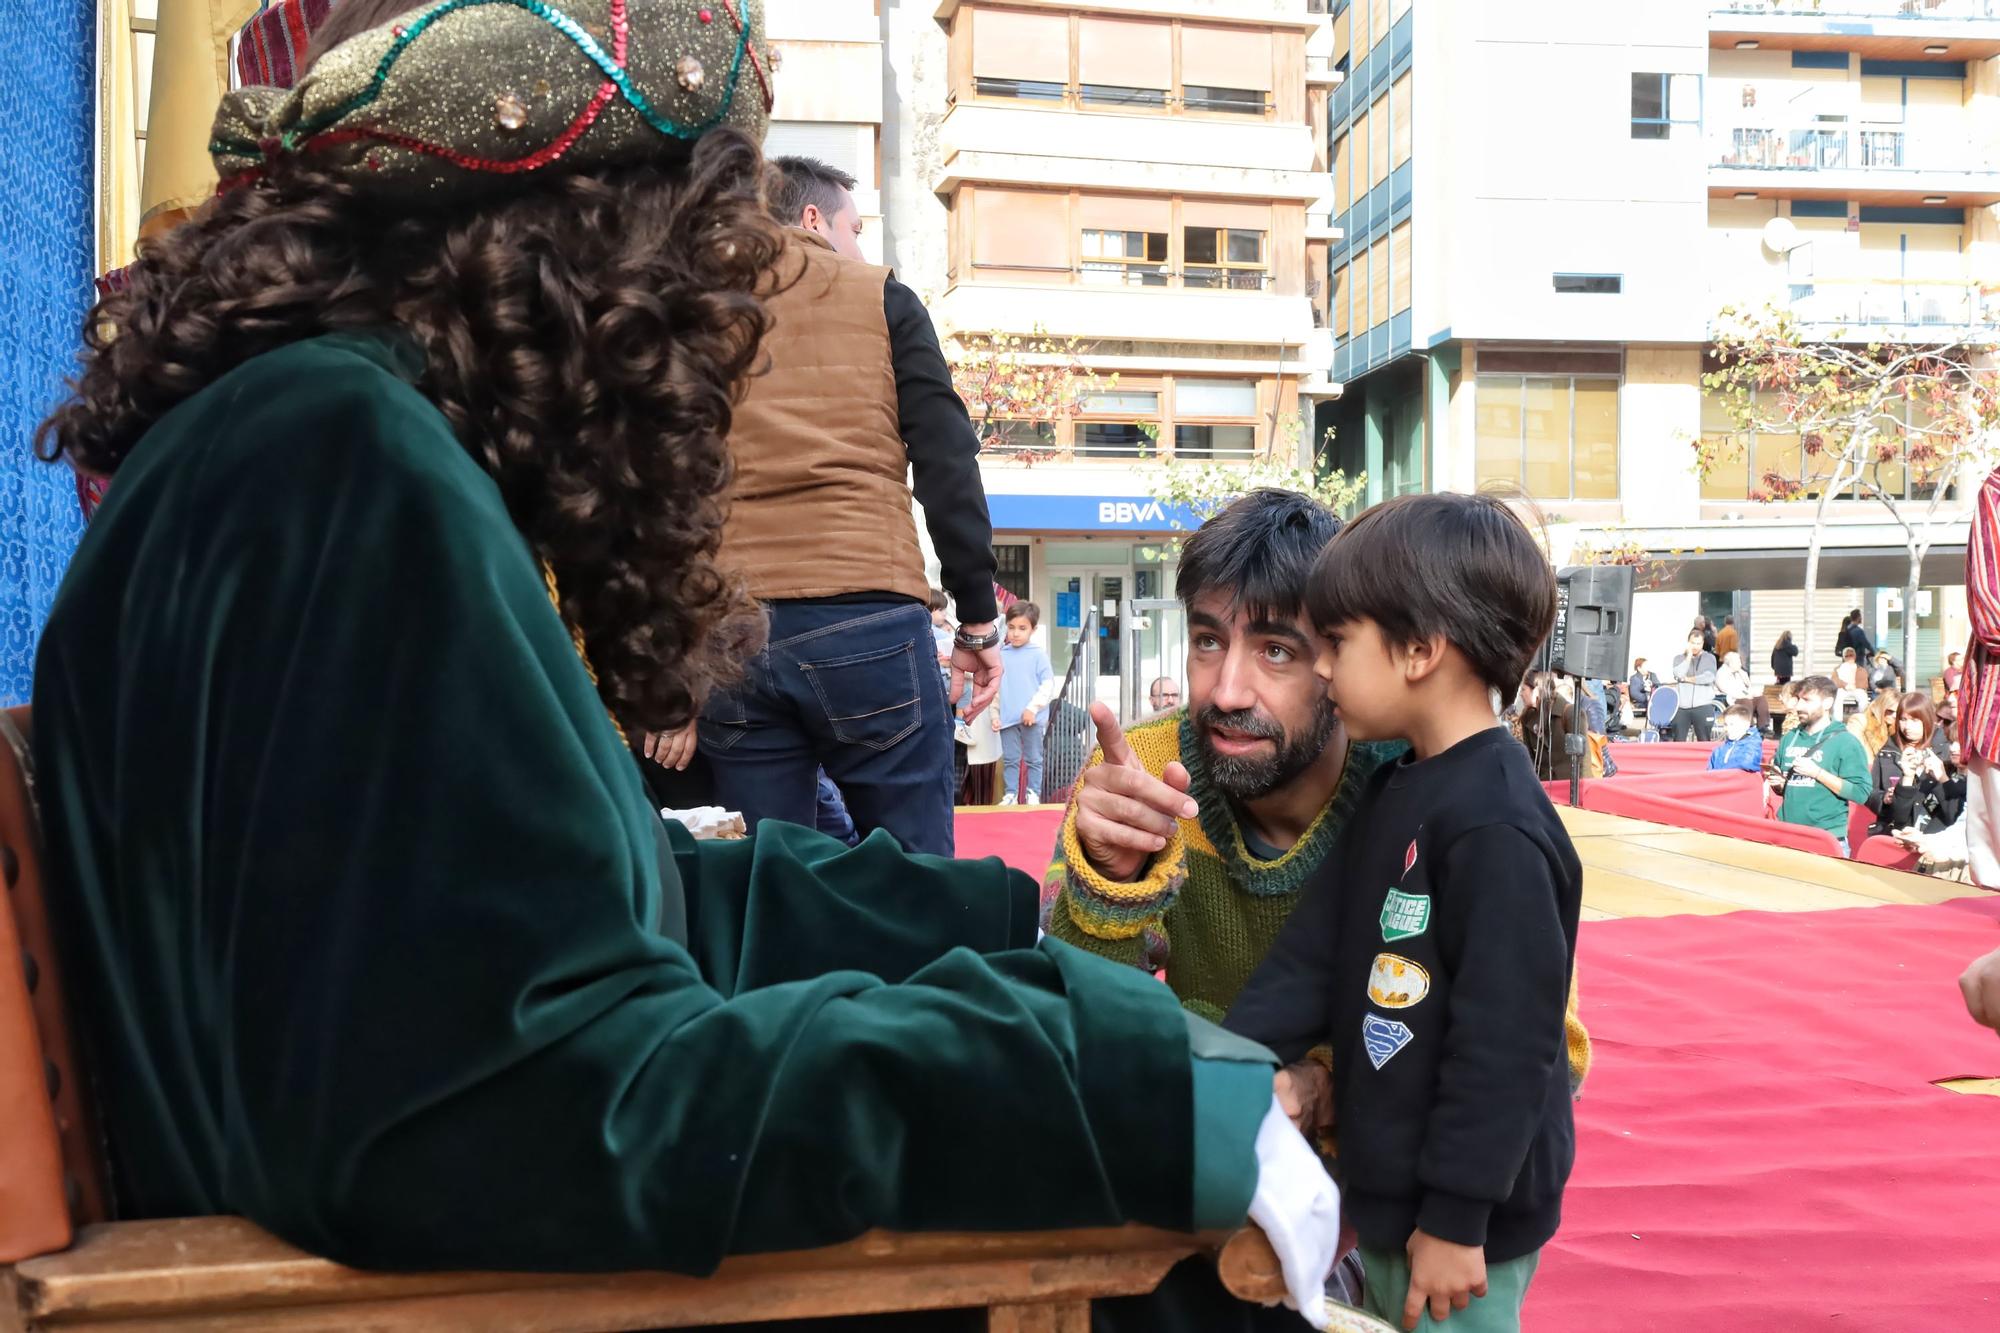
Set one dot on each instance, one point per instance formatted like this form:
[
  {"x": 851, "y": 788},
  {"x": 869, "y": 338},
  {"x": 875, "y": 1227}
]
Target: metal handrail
[{"x": 1071, "y": 737}]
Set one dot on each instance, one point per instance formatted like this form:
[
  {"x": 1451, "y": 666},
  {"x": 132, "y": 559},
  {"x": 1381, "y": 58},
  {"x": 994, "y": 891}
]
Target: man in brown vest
[{"x": 857, "y": 401}]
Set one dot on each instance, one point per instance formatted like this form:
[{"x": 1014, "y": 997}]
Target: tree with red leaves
[{"x": 1911, "y": 426}]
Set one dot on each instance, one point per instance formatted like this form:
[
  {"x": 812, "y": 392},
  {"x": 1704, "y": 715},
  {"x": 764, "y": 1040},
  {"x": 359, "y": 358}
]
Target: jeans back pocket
[{"x": 870, "y": 698}]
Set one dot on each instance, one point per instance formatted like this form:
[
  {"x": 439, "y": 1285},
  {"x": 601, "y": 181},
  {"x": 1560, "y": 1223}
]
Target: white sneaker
[
  {"x": 1033, "y": 798},
  {"x": 1008, "y": 799}
]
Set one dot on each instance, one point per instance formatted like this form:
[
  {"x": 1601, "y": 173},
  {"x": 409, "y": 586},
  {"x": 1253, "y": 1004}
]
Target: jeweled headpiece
[{"x": 458, "y": 91}]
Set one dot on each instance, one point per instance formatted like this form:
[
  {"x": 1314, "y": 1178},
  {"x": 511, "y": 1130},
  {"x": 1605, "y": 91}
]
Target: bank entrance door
[{"x": 1076, "y": 593}]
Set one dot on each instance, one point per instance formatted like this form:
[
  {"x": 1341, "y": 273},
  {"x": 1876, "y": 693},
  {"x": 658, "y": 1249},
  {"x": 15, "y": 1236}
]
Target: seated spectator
[
  {"x": 1875, "y": 725},
  {"x": 1742, "y": 746},
  {"x": 1639, "y": 687},
  {"x": 1788, "y": 699},
  {"x": 1732, "y": 683},
  {"x": 1915, "y": 786},
  {"x": 1883, "y": 675}
]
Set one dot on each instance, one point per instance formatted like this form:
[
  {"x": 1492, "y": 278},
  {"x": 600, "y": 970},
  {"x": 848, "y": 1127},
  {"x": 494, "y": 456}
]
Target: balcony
[
  {"x": 1846, "y": 161},
  {"x": 1146, "y": 307},
  {"x": 1049, "y": 143},
  {"x": 1881, "y": 29},
  {"x": 1896, "y": 310}
]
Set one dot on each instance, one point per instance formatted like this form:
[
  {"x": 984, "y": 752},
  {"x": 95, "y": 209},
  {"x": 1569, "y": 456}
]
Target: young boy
[
  {"x": 1742, "y": 745},
  {"x": 1436, "y": 951},
  {"x": 1027, "y": 685}
]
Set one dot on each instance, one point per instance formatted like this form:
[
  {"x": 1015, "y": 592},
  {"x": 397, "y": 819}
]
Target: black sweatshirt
[{"x": 1433, "y": 949}]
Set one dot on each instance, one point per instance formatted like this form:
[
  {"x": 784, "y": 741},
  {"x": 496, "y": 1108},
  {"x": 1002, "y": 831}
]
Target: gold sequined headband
[{"x": 457, "y": 91}]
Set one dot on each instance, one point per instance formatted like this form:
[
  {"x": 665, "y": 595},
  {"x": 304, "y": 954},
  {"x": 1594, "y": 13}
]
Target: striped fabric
[
  {"x": 1979, "y": 699},
  {"x": 271, "y": 49}
]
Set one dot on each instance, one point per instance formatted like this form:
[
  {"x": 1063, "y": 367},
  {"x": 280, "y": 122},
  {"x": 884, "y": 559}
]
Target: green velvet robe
[{"x": 378, "y": 942}]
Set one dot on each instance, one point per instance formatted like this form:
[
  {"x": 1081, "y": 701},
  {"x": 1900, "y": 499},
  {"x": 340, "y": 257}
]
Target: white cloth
[
  {"x": 1298, "y": 1206},
  {"x": 708, "y": 822},
  {"x": 1982, "y": 821}
]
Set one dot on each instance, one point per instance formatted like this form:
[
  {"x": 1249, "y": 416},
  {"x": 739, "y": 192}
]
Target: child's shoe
[{"x": 1008, "y": 799}]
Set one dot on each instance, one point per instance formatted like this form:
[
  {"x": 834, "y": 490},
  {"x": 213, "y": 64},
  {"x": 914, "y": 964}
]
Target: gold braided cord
[{"x": 576, "y": 638}]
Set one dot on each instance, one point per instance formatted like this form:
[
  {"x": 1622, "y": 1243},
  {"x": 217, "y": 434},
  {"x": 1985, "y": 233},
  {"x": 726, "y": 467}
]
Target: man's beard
[{"x": 1249, "y": 778}]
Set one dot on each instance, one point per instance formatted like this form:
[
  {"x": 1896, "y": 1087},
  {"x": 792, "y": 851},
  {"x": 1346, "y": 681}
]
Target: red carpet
[
  {"x": 1759, "y": 1146},
  {"x": 1024, "y": 839}
]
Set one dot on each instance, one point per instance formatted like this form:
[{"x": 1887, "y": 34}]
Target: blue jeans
[
  {"x": 849, "y": 688},
  {"x": 1023, "y": 747}
]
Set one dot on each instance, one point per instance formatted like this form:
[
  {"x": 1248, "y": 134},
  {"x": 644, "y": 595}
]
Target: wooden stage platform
[{"x": 1634, "y": 869}]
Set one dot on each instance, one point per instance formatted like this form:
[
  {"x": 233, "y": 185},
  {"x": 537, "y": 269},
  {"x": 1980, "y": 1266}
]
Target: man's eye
[
  {"x": 1206, "y": 642},
  {"x": 1277, "y": 654}
]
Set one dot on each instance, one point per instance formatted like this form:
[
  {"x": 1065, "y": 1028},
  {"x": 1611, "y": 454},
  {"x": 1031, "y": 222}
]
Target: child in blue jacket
[{"x": 1744, "y": 747}]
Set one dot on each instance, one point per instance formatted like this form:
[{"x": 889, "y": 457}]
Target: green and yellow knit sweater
[
  {"x": 1207, "y": 902},
  {"x": 1208, "y": 910}
]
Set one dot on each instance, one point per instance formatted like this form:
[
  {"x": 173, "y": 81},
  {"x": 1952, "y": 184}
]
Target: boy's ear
[{"x": 1422, "y": 657}]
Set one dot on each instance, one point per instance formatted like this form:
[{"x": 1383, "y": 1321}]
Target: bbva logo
[{"x": 1128, "y": 511}]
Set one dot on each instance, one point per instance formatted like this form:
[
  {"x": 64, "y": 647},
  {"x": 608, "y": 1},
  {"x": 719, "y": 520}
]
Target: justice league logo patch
[
  {"x": 1383, "y": 1037},
  {"x": 1405, "y": 916}
]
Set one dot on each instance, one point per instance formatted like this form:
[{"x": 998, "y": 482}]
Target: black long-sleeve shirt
[
  {"x": 944, "y": 456},
  {"x": 1434, "y": 950}
]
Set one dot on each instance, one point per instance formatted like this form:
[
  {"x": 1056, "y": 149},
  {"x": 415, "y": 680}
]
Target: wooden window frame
[{"x": 1224, "y": 266}]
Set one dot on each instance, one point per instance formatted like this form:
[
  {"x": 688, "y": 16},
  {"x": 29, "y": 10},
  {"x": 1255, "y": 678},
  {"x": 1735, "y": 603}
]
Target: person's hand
[
  {"x": 1808, "y": 768},
  {"x": 1296, "y": 1204},
  {"x": 1123, "y": 813},
  {"x": 1027, "y": 717},
  {"x": 982, "y": 666},
  {"x": 672, "y": 749},
  {"x": 1981, "y": 987},
  {"x": 1305, "y": 1091},
  {"x": 1443, "y": 1276},
  {"x": 996, "y": 720}
]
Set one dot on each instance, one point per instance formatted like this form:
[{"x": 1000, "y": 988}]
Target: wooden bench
[{"x": 72, "y": 1268}]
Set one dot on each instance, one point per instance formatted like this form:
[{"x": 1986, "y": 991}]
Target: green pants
[{"x": 1498, "y": 1311}]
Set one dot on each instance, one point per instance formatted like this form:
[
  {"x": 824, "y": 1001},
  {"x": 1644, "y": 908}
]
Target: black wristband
[{"x": 977, "y": 643}]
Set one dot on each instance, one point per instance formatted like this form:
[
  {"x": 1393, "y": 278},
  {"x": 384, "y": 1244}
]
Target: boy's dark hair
[
  {"x": 938, "y": 600},
  {"x": 1463, "y": 567},
  {"x": 1258, "y": 550},
  {"x": 1741, "y": 709},
  {"x": 806, "y": 180},
  {"x": 1817, "y": 685},
  {"x": 1027, "y": 611}
]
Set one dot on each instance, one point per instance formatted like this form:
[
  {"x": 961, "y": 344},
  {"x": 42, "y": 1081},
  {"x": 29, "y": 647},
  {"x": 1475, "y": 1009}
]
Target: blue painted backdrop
[{"x": 48, "y": 52}]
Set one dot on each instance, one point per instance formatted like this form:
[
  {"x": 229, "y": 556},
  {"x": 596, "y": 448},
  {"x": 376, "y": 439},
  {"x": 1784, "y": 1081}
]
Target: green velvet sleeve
[
  {"x": 404, "y": 977},
  {"x": 1232, "y": 1095}
]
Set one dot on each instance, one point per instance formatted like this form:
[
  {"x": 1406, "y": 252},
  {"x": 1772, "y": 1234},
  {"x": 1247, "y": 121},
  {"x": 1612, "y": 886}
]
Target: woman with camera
[{"x": 1915, "y": 784}]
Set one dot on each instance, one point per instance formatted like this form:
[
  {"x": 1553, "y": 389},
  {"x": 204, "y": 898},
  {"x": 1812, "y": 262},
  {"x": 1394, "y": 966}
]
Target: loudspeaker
[{"x": 1593, "y": 633}]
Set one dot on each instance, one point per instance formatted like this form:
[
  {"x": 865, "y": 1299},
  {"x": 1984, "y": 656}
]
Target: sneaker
[
  {"x": 1032, "y": 798},
  {"x": 1008, "y": 799}
]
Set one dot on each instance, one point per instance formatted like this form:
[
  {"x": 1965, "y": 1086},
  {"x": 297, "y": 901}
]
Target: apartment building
[
  {"x": 829, "y": 95},
  {"x": 1542, "y": 205},
  {"x": 1149, "y": 179}
]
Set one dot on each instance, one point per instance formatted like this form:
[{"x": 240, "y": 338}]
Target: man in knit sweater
[{"x": 1190, "y": 836}]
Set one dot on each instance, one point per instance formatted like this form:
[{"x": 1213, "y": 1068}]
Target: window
[
  {"x": 1399, "y": 265},
  {"x": 1114, "y": 425},
  {"x": 1745, "y": 462},
  {"x": 1364, "y": 318},
  {"x": 1598, "y": 284},
  {"x": 1020, "y": 236},
  {"x": 1123, "y": 62},
  {"x": 1020, "y": 437},
  {"x": 847, "y": 145},
  {"x": 1241, "y": 101},
  {"x": 1010, "y": 571},
  {"x": 1226, "y": 70},
  {"x": 1215, "y": 419},
  {"x": 1399, "y": 114},
  {"x": 1230, "y": 258},
  {"x": 1359, "y": 134},
  {"x": 1341, "y": 297},
  {"x": 1378, "y": 141},
  {"x": 1341, "y": 198},
  {"x": 1020, "y": 54},
  {"x": 1378, "y": 282},
  {"x": 1666, "y": 106},
  {"x": 1028, "y": 90},
  {"x": 1556, "y": 437},
  {"x": 1125, "y": 258}
]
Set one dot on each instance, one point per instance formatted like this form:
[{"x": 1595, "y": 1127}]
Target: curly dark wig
[{"x": 586, "y": 337}]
